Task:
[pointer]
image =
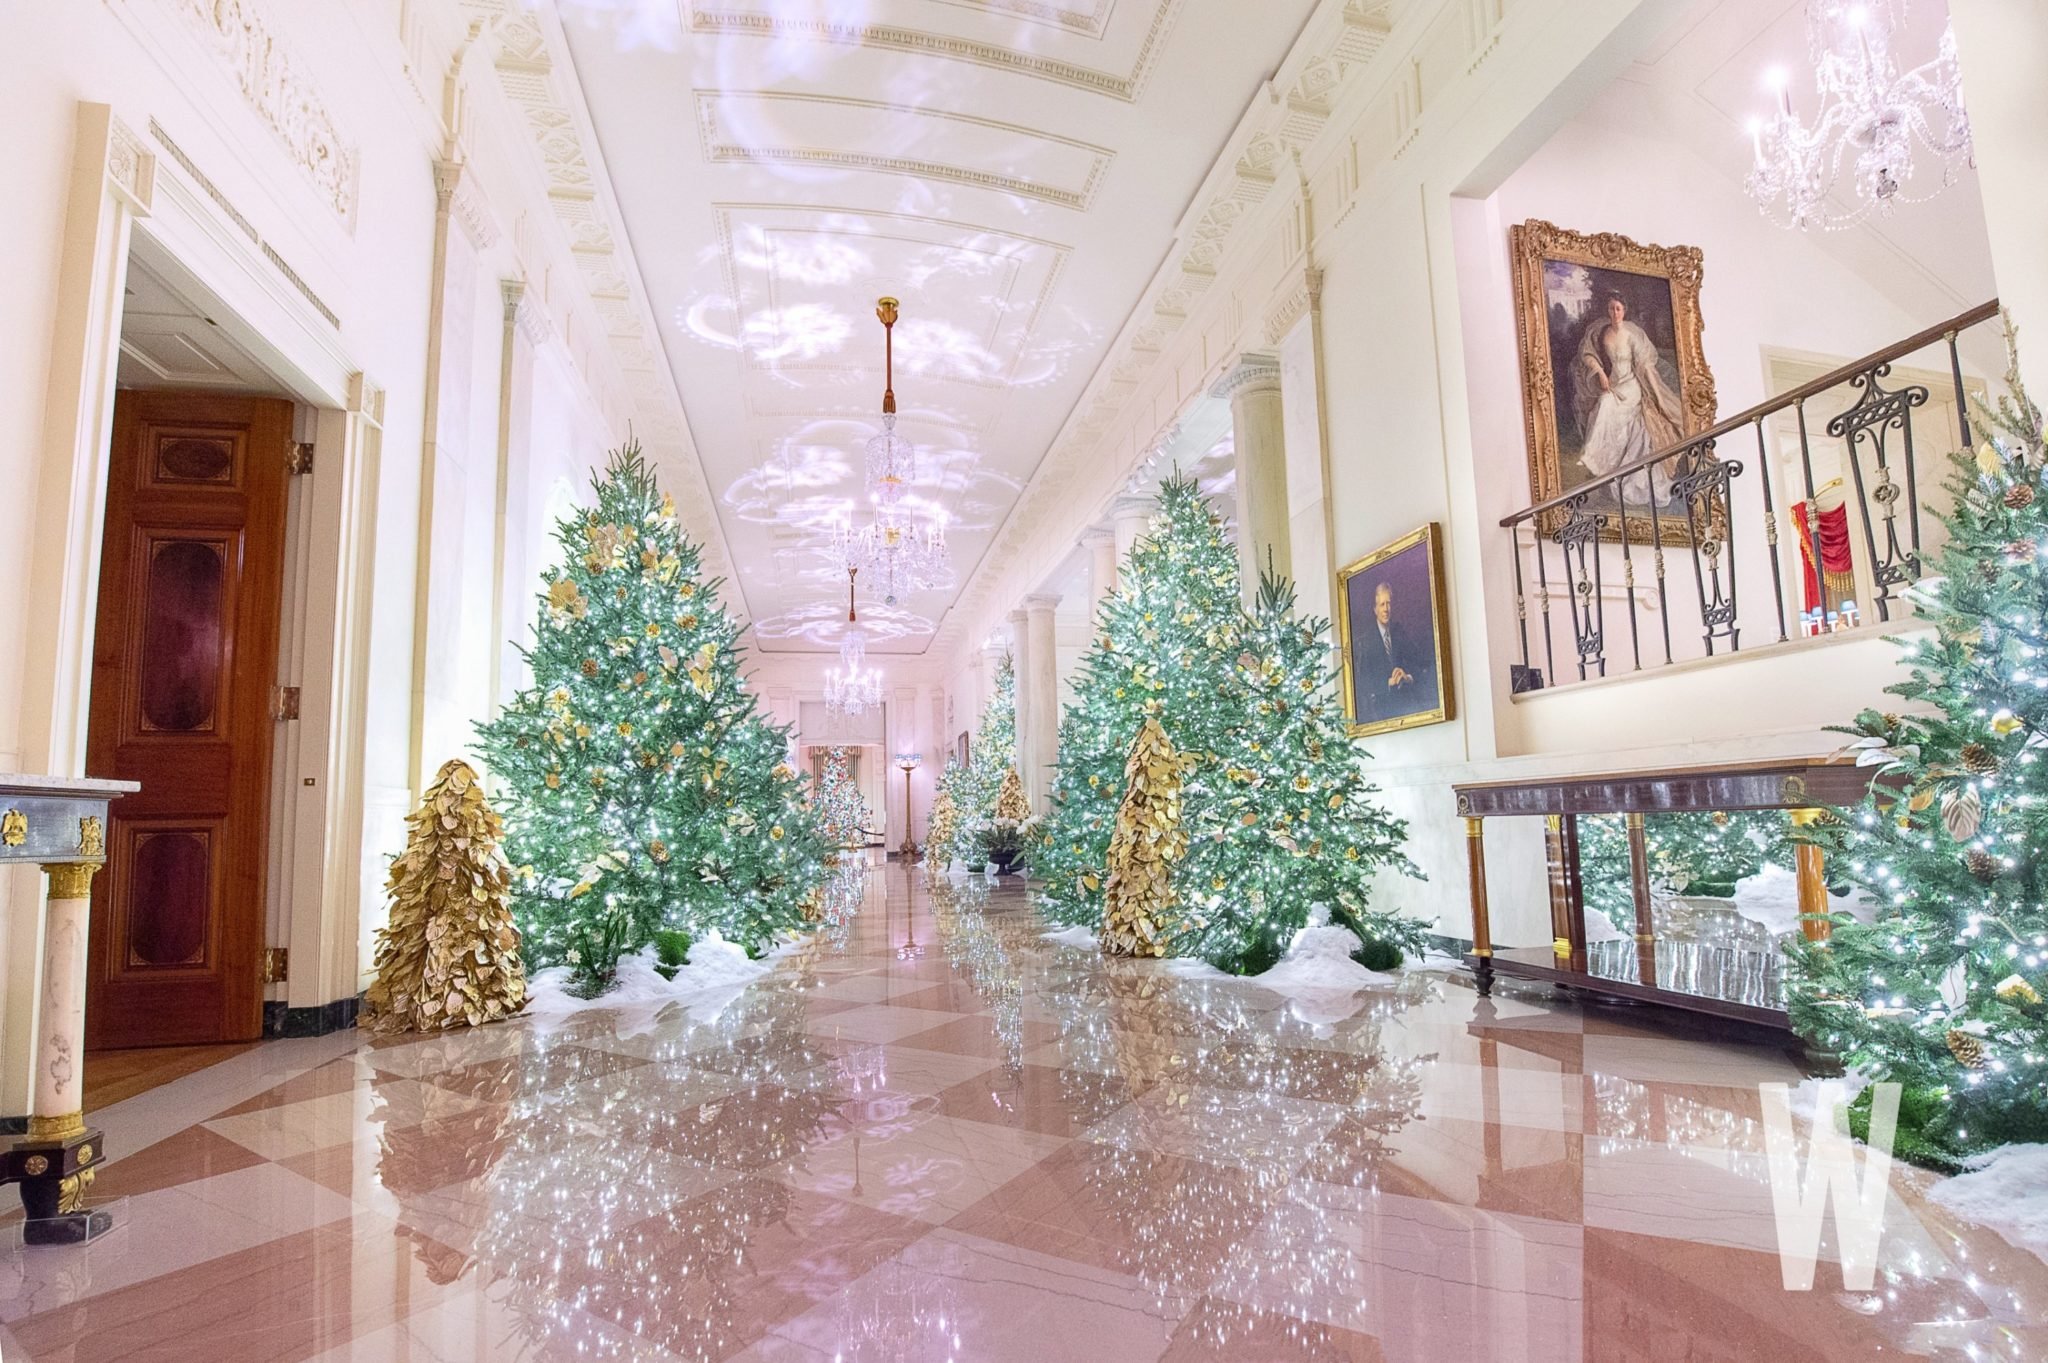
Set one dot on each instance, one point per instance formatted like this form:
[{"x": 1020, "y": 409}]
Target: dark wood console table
[{"x": 1726, "y": 982}]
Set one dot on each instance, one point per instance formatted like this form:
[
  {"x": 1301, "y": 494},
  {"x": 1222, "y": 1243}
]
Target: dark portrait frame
[{"x": 1414, "y": 560}]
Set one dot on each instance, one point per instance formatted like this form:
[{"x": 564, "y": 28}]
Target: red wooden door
[{"x": 184, "y": 659}]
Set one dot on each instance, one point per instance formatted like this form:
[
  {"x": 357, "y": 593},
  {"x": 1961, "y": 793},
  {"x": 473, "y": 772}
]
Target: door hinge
[
  {"x": 298, "y": 457},
  {"x": 284, "y": 702},
  {"x": 276, "y": 964}
]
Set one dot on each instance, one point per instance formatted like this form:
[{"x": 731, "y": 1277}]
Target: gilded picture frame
[
  {"x": 1413, "y": 642},
  {"x": 1565, "y": 283}
]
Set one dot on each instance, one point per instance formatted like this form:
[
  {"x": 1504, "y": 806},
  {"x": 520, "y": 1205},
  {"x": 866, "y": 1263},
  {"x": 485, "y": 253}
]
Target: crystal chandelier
[
  {"x": 1872, "y": 119},
  {"x": 903, "y": 547},
  {"x": 853, "y": 692},
  {"x": 892, "y": 460},
  {"x": 851, "y": 688}
]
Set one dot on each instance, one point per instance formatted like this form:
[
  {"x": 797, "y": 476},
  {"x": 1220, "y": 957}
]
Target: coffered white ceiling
[{"x": 1013, "y": 170}]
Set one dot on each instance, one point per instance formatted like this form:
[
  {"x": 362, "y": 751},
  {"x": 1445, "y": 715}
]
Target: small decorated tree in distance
[
  {"x": 449, "y": 957},
  {"x": 1284, "y": 819},
  {"x": 840, "y": 808},
  {"x": 978, "y": 784},
  {"x": 644, "y": 791},
  {"x": 945, "y": 816},
  {"x": 1161, "y": 640},
  {"x": 1943, "y": 993}
]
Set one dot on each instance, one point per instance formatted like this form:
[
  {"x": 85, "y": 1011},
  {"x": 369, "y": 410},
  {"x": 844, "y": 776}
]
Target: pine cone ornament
[
  {"x": 1968, "y": 1051},
  {"x": 1979, "y": 760},
  {"x": 2020, "y": 551},
  {"x": 1982, "y": 865},
  {"x": 2019, "y": 496}
]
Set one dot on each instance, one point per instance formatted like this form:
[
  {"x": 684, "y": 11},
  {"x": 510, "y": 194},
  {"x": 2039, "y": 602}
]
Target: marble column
[
  {"x": 1258, "y": 424},
  {"x": 58, "y": 1110},
  {"x": 1128, "y": 519},
  {"x": 1101, "y": 546},
  {"x": 1045, "y": 696},
  {"x": 1027, "y": 674}
]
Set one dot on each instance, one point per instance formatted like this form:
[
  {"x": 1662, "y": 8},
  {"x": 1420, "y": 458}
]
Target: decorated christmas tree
[
  {"x": 1943, "y": 993},
  {"x": 841, "y": 810},
  {"x": 945, "y": 817},
  {"x": 449, "y": 957},
  {"x": 643, "y": 789},
  {"x": 1160, "y": 643},
  {"x": 1283, "y": 820},
  {"x": 977, "y": 784}
]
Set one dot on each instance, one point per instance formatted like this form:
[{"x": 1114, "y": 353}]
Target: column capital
[
  {"x": 1097, "y": 536},
  {"x": 1041, "y": 601},
  {"x": 1254, "y": 372},
  {"x": 1133, "y": 507}
]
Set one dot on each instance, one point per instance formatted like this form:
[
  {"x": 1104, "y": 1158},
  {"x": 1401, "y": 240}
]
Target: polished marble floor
[{"x": 933, "y": 1135}]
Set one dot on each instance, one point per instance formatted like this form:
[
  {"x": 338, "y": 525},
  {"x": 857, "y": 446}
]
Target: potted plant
[{"x": 1006, "y": 843}]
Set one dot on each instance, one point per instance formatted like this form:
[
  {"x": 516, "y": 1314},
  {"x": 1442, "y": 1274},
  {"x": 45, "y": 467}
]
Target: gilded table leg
[{"x": 1482, "y": 929}]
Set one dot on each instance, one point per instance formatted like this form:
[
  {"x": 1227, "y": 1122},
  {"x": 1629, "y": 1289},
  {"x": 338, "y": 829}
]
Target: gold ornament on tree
[
  {"x": 1149, "y": 838},
  {"x": 449, "y": 957},
  {"x": 1011, "y": 807},
  {"x": 1968, "y": 1051}
]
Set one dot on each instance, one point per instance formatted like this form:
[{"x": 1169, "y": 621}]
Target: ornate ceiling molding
[
  {"x": 723, "y": 145},
  {"x": 1337, "y": 48},
  {"x": 705, "y": 19}
]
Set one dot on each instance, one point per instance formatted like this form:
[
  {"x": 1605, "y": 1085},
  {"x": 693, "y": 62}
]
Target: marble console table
[{"x": 60, "y": 825}]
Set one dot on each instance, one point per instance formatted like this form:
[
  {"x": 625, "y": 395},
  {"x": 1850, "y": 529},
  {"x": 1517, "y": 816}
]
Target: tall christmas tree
[
  {"x": 643, "y": 790},
  {"x": 838, "y": 803},
  {"x": 1283, "y": 819},
  {"x": 1159, "y": 640},
  {"x": 1943, "y": 993}
]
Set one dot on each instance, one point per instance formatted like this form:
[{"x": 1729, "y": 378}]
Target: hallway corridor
[{"x": 931, "y": 1134}]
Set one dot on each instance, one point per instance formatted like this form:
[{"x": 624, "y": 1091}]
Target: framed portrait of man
[
  {"x": 1396, "y": 636},
  {"x": 1613, "y": 370}
]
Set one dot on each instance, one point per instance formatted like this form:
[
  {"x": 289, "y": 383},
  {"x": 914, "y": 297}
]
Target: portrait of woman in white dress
[{"x": 1627, "y": 406}]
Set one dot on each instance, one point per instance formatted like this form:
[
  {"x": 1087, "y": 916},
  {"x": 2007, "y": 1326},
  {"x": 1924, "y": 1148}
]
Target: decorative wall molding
[
  {"x": 458, "y": 197},
  {"x": 1304, "y": 297},
  {"x": 131, "y": 167},
  {"x": 276, "y": 87}
]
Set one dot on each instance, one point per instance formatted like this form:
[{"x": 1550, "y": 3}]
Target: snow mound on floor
[
  {"x": 1600, "y": 928},
  {"x": 714, "y": 964},
  {"x": 1771, "y": 897},
  {"x": 1077, "y": 936},
  {"x": 2005, "y": 1190},
  {"x": 1319, "y": 961}
]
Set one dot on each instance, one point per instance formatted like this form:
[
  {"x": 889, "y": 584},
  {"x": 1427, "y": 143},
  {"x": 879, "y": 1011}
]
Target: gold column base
[{"x": 56, "y": 1128}]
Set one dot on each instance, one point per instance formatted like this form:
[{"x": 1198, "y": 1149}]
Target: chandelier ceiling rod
[{"x": 885, "y": 309}]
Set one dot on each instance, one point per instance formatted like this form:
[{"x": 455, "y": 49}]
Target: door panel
[{"x": 184, "y": 657}]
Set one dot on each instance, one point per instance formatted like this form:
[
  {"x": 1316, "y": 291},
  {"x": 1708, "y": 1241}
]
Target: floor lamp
[{"x": 909, "y": 762}]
